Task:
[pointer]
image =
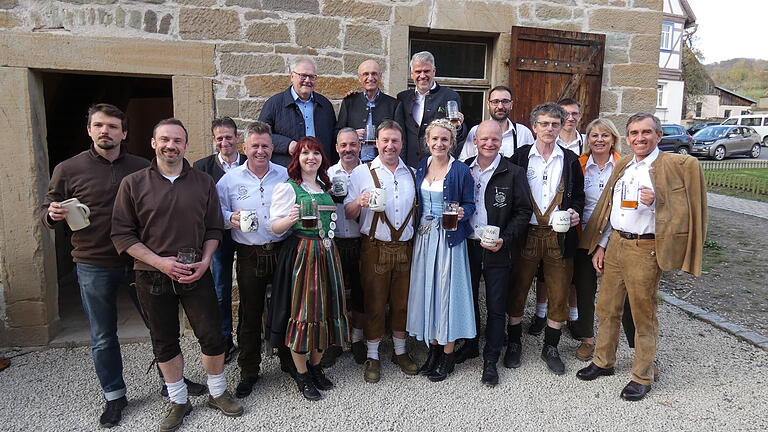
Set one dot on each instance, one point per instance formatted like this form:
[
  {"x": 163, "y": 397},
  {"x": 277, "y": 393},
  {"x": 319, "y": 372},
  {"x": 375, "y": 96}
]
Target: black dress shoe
[
  {"x": 229, "y": 353},
  {"x": 537, "y": 325},
  {"x": 551, "y": 357},
  {"x": 512, "y": 355},
  {"x": 330, "y": 355},
  {"x": 593, "y": 371},
  {"x": 245, "y": 386},
  {"x": 193, "y": 388},
  {"x": 635, "y": 391},
  {"x": 318, "y": 377},
  {"x": 490, "y": 374},
  {"x": 433, "y": 360},
  {"x": 468, "y": 350},
  {"x": 573, "y": 330},
  {"x": 307, "y": 387},
  {"x": 113, "y": 412},
  {"x": 447, "y": 363}
]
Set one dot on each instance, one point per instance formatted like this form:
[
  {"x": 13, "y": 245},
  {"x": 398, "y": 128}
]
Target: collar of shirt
[
  {"x": 371, "y": 102},
  {"x": 422, "y": 96},
  {"x": 648, "y": 159},
  {"x": 591, "y": 162},
  {"x": 247, "y": 171},
  {"x": 377, "y": 163},
  {"x": 475, "y": 167},
  {"x": 450, "y": 161},
  {"x": 226, "y": 164},
  {"x": 298, "y": 99},
  {"x": 338, "y": 168},
  {"x": 510, "y": 128},
  {"x": 556, "y": 152}
]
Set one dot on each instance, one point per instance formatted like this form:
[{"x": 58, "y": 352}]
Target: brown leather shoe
[
  {"x": 226, "y": 404},
  {"x": 372, "y": 372},
  {"x": 585, "y": 351},
  {"x": 4, "y": 363},
  {"x": 174, "y": 417},
  {"x": 406, "y": 363}
]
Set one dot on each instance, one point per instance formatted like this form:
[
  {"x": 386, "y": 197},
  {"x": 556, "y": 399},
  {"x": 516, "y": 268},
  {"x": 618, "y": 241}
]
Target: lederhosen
[
  {"x": 385, "y": 268},
  {"x": 542, "y": 246}
]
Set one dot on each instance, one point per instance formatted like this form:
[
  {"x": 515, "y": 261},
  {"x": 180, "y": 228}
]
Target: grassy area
[{"x": 750, "y": 181}]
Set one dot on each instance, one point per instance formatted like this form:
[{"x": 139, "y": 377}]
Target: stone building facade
[{"x": 226, "y": 57}]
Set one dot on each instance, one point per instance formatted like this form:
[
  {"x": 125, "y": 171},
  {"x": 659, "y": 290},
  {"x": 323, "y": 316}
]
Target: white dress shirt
[
  {"x": 228, "y": 166},
  {"x": 481, "y": 177},
  {"x": 345, "y": 228},
  {"x": 576, "y": 146},
  {"x": 641, "y": 220},
  {"x": 284, "y": 198},
  {"x": 418, "y": 106},
  {"x": 400, "y": 194},
  {"x": 544, "y": 178},
  {"x": 241, "y": 189},
  {"x": 595, "y": 180},
  {"x": 524, "y": 137}
]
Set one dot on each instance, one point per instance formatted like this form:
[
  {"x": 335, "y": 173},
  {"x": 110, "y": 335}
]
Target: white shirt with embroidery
[{"x": 544, "y": 178}]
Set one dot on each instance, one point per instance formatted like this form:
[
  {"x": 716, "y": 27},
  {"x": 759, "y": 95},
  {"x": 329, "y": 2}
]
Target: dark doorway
[{"x": 67, "y": 99}]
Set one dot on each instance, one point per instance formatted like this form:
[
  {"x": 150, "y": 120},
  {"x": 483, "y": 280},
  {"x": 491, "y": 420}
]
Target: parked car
[
  {"x": 719, "y": 142},
  {"x": 759, "y": 122},
  {"x": 675, "y": 139},
  {"x": 699, "y": 126}
]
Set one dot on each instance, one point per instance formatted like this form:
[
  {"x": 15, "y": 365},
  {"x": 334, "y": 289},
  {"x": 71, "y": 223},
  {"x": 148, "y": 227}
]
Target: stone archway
[{"x": 28, "y": 292}]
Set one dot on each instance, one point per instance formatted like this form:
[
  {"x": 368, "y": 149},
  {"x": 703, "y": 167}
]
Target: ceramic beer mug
[
  {"x": 377, "y": 199},
  {"x": 78, "y": 214},
  {"x": 561, "y": 221},
  {"x": 249, "y": 221},
  {"x": 488, "y": 235}
]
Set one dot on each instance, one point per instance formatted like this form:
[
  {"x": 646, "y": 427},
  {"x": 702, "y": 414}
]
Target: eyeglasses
[
  {"x": 546, "y": 125},
  {"x": 573, "y": 114},
  {"x": 498, "y": 102},
  {"x": 306, "y": 76}
]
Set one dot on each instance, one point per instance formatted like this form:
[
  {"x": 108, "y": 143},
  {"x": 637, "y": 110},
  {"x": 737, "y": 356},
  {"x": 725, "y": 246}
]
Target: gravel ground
[{"x": 709, "y": 381}]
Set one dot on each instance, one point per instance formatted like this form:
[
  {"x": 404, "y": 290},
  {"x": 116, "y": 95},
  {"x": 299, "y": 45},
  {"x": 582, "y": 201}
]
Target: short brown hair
[
  {"x": 109, "y": 110},
  {"x": 226, "y": 122},
  {"x": 171, "y": 121},
  {"x": 258, "y": 128}
]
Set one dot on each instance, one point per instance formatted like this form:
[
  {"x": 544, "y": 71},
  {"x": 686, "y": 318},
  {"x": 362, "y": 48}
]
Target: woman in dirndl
[
  {"x": 440, "y": 308},
  {"x": 308, "y": 308}
]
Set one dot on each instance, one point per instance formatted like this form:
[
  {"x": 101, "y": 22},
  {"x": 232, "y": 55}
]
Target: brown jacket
[
  {"x": 681, "y": 211},
  {"x": 93, "y": 180},
  {"x": 166, "y": 216}
]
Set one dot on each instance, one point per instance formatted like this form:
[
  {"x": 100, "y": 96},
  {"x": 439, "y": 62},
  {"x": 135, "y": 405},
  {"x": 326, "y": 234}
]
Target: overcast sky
[{"x": 731, "y": 29}]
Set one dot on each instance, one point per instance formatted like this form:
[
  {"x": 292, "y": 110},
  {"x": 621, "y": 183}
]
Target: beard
[
  {"x": 106, "y": 144},
  {"x": 499, "y": 115}
]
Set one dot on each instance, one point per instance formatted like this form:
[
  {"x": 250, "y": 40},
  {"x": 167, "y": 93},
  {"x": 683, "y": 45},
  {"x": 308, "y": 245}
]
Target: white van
[{"x": 758, "y": 122}]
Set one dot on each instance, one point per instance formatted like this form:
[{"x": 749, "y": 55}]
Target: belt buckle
[{"x": 268, "y": 246}]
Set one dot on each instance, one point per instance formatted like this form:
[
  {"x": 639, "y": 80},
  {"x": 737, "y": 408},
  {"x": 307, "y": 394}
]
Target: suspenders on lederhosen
[
  {"x": 394, "y": 233},
  {"x": 542, "y": 219}
]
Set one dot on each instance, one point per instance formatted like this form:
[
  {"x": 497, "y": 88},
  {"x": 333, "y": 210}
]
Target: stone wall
[{"x": 252, "y": 43}]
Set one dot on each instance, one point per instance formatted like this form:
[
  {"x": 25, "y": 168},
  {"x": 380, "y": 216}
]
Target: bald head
[
  {"x": 369, "y": 75},
  {"x": 488, "y": 140}
]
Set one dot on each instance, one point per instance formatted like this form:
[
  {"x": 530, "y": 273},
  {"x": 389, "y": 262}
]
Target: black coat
[
  {"x": 508, "y": 205},
  {"x": 354, "y": 111},
  {"x": 414, "y": 149},
  {"x": 212, "y": 166},
  {"x": 284, "y": 116},
  {"x": 573, "y": 195}
]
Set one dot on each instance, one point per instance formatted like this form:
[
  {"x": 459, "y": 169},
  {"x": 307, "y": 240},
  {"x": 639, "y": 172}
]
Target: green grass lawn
[{"x": 735, "y": 177}]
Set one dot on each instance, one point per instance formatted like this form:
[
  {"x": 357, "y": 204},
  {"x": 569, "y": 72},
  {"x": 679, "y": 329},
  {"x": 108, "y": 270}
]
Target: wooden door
[{"x": 548, "y": 65}]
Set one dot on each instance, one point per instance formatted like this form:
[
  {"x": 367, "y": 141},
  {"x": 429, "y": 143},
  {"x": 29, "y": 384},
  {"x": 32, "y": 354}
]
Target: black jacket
[
  {"x": 414, "y": 149},
  {"x": 508, "y": 205},
  {"x": 573, "y": 196},
  {"x": 212, "y": 166},
  {"x": 283, "y": 115},
  {"x": 354, "y": 111}
]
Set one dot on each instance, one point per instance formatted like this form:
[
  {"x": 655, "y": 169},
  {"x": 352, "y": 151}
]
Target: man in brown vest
[
  {"x": 652, "y": 216},
  {"x": 385, "y": 255}
]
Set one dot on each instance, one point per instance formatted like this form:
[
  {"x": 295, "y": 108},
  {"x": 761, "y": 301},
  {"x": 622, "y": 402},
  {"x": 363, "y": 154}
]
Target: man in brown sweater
[
  {"x": 93, "y": 177},
  {"x": 168, "y": 218}
]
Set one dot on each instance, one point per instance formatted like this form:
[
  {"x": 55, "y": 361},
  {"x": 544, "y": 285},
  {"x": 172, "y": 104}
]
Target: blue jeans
[
  {"x": 221, "y": 269},
  {"x": 98, "y": 291}
]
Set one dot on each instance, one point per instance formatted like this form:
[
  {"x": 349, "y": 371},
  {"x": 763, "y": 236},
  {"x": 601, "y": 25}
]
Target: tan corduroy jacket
[{"x": 681, "y": 211}]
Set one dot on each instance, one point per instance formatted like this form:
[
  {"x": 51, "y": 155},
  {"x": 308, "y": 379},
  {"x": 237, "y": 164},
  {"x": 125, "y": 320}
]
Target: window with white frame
[
  {"x": 660, "y": 95},
  {"x": 667, "y": 34}
]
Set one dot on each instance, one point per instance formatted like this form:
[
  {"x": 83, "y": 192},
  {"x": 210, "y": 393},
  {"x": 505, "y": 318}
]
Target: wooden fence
[
  {"x": 724, "y": 178},
  {"x": 733, "y": 164}
]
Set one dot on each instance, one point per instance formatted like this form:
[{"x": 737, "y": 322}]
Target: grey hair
[
  {"x": 608, "y": 126},
  {"x": 548, "y": 108},
  {"x": 445, "y": 124},
  {"x": 258, "y": 128},
  {"x": 299, "y": 60},
  {"x": 423, "y": 57},
  {"x": 644, "y": 115},
  {"x": 390, "y": 124},
  {"x": 345, "y": 130}
]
